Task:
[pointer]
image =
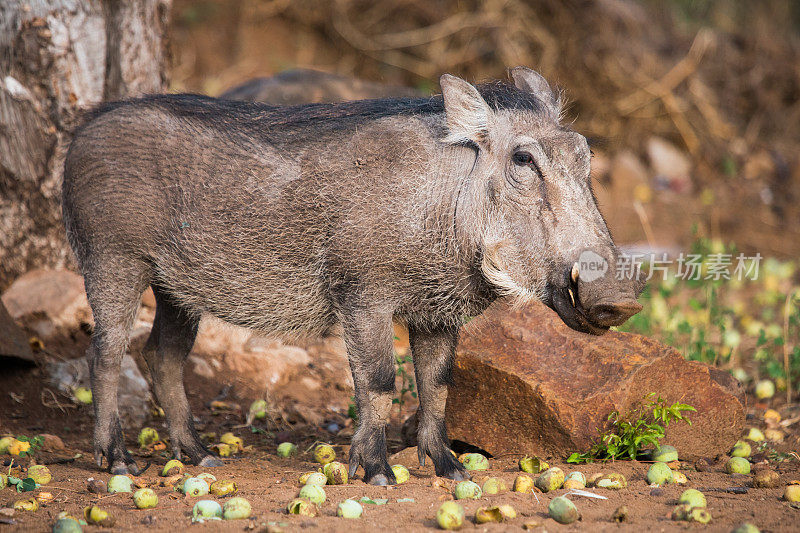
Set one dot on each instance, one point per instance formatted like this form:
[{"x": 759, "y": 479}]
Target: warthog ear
[
  {"x": 467, "y": 113},
  {"x": 531, "y": 81}
]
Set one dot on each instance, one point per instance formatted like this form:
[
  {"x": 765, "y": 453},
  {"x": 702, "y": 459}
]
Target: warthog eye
[{"x": 522, "y": 158}]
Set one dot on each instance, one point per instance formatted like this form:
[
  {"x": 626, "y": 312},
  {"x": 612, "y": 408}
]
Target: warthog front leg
[
  {"x": 368, "y": 337},
  {"x": 434, "y": 351}
]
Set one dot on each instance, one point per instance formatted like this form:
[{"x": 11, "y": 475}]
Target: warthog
[{"x": 292, "y": 219}]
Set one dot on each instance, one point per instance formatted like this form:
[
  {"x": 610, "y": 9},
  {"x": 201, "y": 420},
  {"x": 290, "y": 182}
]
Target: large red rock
[{"x": 526, "y": 383}]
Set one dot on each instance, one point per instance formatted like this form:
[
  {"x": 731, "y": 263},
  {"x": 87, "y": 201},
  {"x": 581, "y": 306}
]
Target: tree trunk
[{"x": 57, "y": 59}]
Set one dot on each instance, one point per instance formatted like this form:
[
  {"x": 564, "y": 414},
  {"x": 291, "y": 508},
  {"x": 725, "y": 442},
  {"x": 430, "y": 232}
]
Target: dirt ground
[{"x": 270, "y": 482}]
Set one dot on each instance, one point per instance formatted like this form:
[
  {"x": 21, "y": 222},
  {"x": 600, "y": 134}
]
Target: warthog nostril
[{"x": 613, "y": 313}]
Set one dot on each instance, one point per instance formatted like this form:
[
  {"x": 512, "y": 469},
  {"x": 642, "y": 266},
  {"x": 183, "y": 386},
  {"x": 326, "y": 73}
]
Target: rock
[
  {"x": 48, "y": 301},
  {"x": 12, "y": 339},
  {"x": 536, "y": 386},
  {"x": 134, "y": 392}
]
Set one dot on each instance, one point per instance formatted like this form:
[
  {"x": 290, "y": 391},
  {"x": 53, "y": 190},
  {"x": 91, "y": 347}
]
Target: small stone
[
  {"x": 620, "y": 514},
  {"x": 97, "y": 486}
]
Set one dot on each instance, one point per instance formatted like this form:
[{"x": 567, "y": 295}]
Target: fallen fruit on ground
[
  {"x": 5, "y": 443},
  {"x": 223, "y": 487},
  {"x": 495, "y": 513},
  {"x": 349, "y": 509},
  {"x": 28, "y": 504},
  {"x": 746, "y": 527},
  {"x": 659, "y": 474},
  {"x": 450, "y": 516},
  {"x": 145, "y": 498},
  {"x": 737, "y": 465},
  {"x": 97, "y": 516},
  {"x": 67, "y": 525},
  {"x": 222, "y": 449},
  {"x": 172, "y": 468},
  {"x": 208, "y": 478},
  {"x": 474, "y": 461},
  {"x": 679, "y": 478},
  {"x": 147, "y": 437},
  {"x": 258, "y": 409},
  {"x": 302, "y": 507},
  {"x": 774, "y": 435},
  {"x": 44, "y": 497},
  {"x": 401, "y": 473},
  {"x": 236, "y": 443},
  {"x": 620, "y": 514},
  {"x": 532, "y": 465},
  {"x": 494, "y": 485},
  {"x": 120, "y": 483},
  {"x": 575, "y": 480},
  {"x": 665, "y": 454},
  {"x": 324, "y": 454},
  {"x": 613, "y": 481},
  {"x": 194, "y": 486},
  {"x": 755, "y": 435},
  {"x": 523, "y": 483},
  {"x": 313, "y": 478},
  {"x": 562, "y": 510},
  {"x": 236, "y": 509},
  {"x": 82, "y": 395},
  {"x": 206, "y": 510},
  {"x": 19, "y": 447},
  {"x": 287, "y": 449},
  {"x": 741, "y": 449},
  {"x": 550, "y": 479},
  {"x": 792, "y": 493},
  {"x": 765, "y": 389},
  {"x": 766, "y": 479},
  {"x": 335, "y": 473},
  {"x": 313, "y": 493},
  {"x": 467, "y": 490},
  {"x": 693, "y": 497},
  {"x": 40, "y": 474},
  {"x": 699, "y": 515}
]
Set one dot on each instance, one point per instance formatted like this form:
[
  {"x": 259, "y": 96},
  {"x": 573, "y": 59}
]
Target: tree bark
[{"x": 57, "y": 59}]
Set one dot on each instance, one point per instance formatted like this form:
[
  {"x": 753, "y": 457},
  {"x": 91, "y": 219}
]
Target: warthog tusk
[
  {"x": 571, "y": 297},
  {"x": 574, "y": 274}
]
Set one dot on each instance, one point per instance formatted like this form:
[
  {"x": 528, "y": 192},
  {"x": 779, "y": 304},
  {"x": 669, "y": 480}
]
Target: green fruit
[
  {"x": 611, "y": 481},
  {"x": 223, "y": 487},
  {"x": 302, "y": 507},
  {"x": 324, "y": 454},
  {"x": 659, "y": 474},
  {"x": 145, "y": 498},
  {"x": 206, "y": 510},
  {"x": 693, "y": 498},
  {"x": 67, "y": 525},
  {"x": 765, "y": 389},
  {"x": 172, "y": 468},
  {"x": 523, "y": 483},
  {"x": 5, "y": 442},
  {"x": 550, "y": 479},
  {"x": 450, "y": 516},
  {"x": 699, "y": 515},
  {"x": 40, "y": 474},
  {"x": 741, "y": 449},
  {"x": 313, "y": 493},
  {"x": 3, "y": 481},
  {"x": 28, "y": 504},
  {"x": 496, "y": 513},
  {"x": 665, "y": 454},
  {"x": 208, "y": 478},
  {"x": 737, "y": 465},
  {"x": 474, "y": 461},
  {"x": 258, "y": 409},
  {"x": 401, "y": 474},
  {"x": 349, "y": 509},
  {"x": 467, "y": 490},
  {"x": 532, "y": 465},
  {"x": 82, "y": 395},
  {"x": 755, "y": 435},
  {"x": 562, "y": 510},
  {"x": 494, "y": 485},
  {"x": 287, "y": 449},
  {"x": 120, "y": 484},
  {"x": 792, "y": 493},
  {"x": 236, "y": 509},
  {"x": 147, "y": 437},
  {"x": 194, "y": 486},
  {"x": 335, "y": 473},
  {"x": 97, "y": 516},
  {"x": 313, "y": 478},
  {"x": 746, "y": 527}
]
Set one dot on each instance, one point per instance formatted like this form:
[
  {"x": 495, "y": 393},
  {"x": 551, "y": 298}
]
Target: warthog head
[{"x": 542, "y": 235}]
